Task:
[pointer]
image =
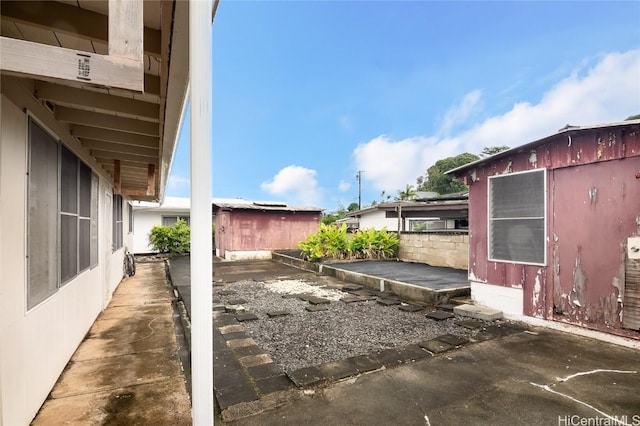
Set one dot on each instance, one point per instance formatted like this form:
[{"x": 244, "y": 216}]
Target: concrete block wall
[{"x": 435, "y": 249}]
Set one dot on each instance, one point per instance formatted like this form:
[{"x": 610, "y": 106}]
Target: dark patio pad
[
  {"x": 435, "y": 346},
  {"x": 439, "y": 315},
  {"x": 452, "y": 340},
  {"x": 307, "y": 376}
]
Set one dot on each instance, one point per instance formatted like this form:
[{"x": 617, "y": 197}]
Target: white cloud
[
  {"x": 390, "y": 164},
  {"x": 460, "y": 113},
  {"x": 297, "y": 184},
  {"x": 608, "y": 91},
  {"x": 344, "y": 186}
]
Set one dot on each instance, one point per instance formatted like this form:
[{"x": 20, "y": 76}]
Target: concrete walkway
[{"x": 127, "y": 371}]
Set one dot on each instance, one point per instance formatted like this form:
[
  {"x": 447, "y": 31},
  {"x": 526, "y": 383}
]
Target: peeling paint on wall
[
  {"x": 593, "y": 195},
  {"x": 509, "y": 168},
  {"x": 533, "y": 158},
  {"x": 538, "y": 308},
  {"x": 474, "y": 176},
  {"x": 600, "y": 149},
  {"x": 577, "y": 295}
]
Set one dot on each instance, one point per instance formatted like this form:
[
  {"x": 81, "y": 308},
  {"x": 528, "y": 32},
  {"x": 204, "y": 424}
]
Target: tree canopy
[
  {"x": 491, "y": 150},
  {"x": 435, "y": 179},
  {"x": 633, "y": 117}
]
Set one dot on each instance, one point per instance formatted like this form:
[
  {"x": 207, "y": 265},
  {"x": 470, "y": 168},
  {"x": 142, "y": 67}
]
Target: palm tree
[{"x": 409, "y": 193}]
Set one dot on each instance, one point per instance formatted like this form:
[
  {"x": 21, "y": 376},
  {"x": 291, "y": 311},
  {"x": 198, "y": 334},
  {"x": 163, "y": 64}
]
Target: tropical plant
[
  {"x": 334, "y": 242},
  {"x": 409, "y": 193},
  {"x": 171, "y": 239}
]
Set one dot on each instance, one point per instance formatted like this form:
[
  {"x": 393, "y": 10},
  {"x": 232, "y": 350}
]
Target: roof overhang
[
  {"x": 109, "y": 77},
  {"x": 567, "y": 130}
]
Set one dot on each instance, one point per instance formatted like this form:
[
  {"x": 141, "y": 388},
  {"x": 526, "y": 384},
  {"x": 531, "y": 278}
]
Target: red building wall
[
  {"x": 252, "y": 230},
  {"x": 593, "y": 202}
]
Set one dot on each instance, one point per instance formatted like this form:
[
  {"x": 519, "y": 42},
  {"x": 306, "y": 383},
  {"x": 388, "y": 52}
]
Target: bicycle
[{"x": 129, "y": 263}]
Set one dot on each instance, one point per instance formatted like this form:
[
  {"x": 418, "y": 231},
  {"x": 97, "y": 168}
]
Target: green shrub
[
  {"x": 171, "y": 239},
  {"x": 333, "y": 242}
]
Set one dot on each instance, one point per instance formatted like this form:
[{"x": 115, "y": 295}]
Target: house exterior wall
[
  {"x": 435, "y": 249},
  {"x": 259, "y": 231},
  {"x": 36, "y": 344},
  {"x": 377, "y": 220},
  {"x": 593, "y": 203},
  {"x": 143, "y": 221}
]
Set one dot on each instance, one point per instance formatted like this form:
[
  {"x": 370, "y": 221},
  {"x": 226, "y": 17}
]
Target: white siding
[
  {"x": 143, "y": 221},
  {"x": 377, "y": 220},
  {"x": 36, "y": 345}
]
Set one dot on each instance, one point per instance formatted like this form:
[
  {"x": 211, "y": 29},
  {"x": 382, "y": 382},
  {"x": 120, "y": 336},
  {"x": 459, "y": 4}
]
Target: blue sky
[{"x": 305, "y": 94}]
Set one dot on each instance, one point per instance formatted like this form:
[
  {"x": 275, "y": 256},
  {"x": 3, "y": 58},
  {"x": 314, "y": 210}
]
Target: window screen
[
  {"x": 94, "y": 221},
  {"x": 62, "y": 229},
  {"x": 42, "y": 225},
  {"x": 172, "y": 220},
  {"x": 130, "y": 211},
  {"x": 117, "y": 222},
  {"x": 517, "y": 207}
]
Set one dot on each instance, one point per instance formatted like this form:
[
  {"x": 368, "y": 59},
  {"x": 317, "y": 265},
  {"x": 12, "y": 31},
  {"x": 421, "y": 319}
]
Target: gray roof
[{"x": 263, "y": 206}]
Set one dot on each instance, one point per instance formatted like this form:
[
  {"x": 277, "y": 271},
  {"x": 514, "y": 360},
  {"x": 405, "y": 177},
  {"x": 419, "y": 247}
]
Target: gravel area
[{"x": 303, "y": 339}]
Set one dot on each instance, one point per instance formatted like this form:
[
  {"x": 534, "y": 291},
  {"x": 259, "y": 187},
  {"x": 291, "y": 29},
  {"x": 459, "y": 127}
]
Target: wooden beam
[
  {"x": 129, "y": 157},
  {"x": 125, "y": 29},
  {"x": 152, "y": 84},
  {"x": 71, "y": 20},
  {"x": 116, "y": 176},
  {"x": 120, "y": 148},
  {"x": 106, "y": 121},
  {"x": 151, "y": 180},
  {"x": 124, "y": 163},
  {"x": 99, "y": 102},
  {"x": 137, "y": 193},
  {"x": 86, "y": 132},
  {"x": 26, "y": 58}
]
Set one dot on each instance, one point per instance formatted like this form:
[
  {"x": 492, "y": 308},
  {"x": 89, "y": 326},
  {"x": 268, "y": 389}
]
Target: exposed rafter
[
  {"x": 119, "y": 148},
  {"x": 85, "y": 132},
  {"x": 106, "y": 121},
  {"x": 99, "y": 102},
  {"x": 129, "y": 157}
]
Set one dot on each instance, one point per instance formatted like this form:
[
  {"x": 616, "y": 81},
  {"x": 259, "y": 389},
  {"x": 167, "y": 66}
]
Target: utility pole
[{"x": 359, "y": 177}]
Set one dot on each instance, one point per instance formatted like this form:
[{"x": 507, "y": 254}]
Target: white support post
[{"x": 200, "y": 72}]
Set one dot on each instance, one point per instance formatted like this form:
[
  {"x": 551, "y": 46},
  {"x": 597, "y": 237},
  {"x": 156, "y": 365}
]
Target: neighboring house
[
  {"x": 432, "y": 230},
  {"x": 432, "y": 214},
  {"x": 554, "y": 228},
  {"x": 251, "y": 230},
  {"x": 91, "y": 98},
  {"x": 147, "y": 215}
]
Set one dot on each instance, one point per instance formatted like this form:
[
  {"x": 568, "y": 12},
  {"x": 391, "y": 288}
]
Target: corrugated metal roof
[
  {"x": 566, "y": 129},
  {"x": 262, "y": 205},
  {"x": 433, "y": 205}
]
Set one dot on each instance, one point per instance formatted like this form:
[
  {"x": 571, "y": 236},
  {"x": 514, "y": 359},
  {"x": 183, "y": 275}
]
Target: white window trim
[{"x": 546, "y": 214}]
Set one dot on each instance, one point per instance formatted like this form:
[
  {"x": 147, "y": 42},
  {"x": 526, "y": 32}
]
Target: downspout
[{"x": 399, "y": 220}]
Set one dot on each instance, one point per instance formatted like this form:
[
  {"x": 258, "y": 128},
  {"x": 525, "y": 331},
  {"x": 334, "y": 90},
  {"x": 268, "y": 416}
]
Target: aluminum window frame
[{"x": 545, "y": 218}]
